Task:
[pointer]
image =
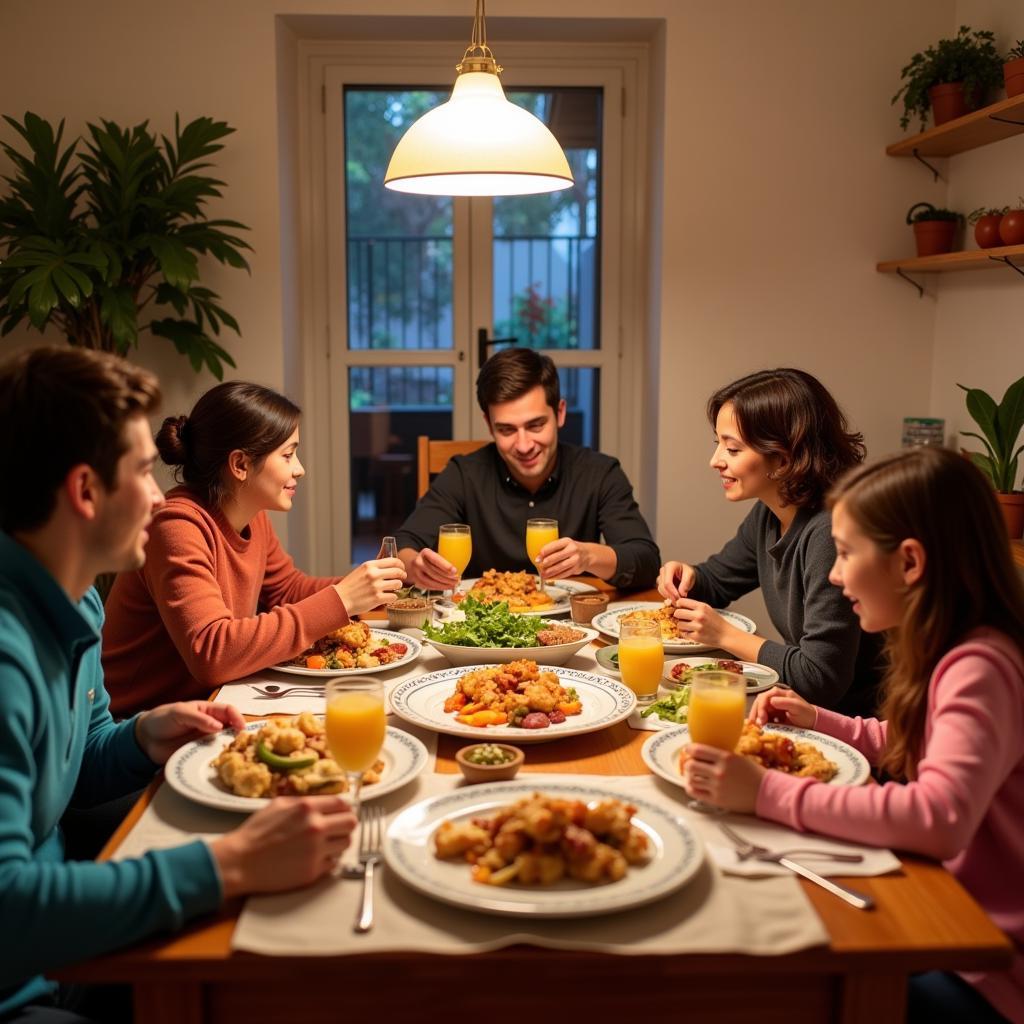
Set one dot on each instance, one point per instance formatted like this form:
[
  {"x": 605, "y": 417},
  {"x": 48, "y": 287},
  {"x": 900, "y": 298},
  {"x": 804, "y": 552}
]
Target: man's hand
[
  {"x": 161, "y": 731},
  {"x": 428, "y": 570},
  {"x": 290, "y": 843},
  {"x": 564, "y": 557}
]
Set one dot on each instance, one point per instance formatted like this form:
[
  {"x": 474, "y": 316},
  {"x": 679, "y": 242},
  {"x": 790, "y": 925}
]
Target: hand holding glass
[
  {"x": 455, "y": 545},
  {"x": 539, "y": 532},
  {"x": 355, "y": 725},
  {"x": 641, "y": 657},
  {"x": 718, "y": 704}
]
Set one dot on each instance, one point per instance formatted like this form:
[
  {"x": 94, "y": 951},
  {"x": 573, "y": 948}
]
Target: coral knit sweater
[
  {"x": 966, "y": 806},
  {"x": 209, "y": 605}
]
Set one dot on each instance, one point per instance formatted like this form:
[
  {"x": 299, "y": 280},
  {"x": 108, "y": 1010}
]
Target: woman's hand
[
  {"x": 780, "y": 704},
  {"x": 700, "y": 622},
  {"x": 371, "y": 584},
  {"x": 288, "y": 844},
  {"x": 163, "y": 729},
  {"x": 722, "y": 778},
  {"x": 676, "y": 580}
]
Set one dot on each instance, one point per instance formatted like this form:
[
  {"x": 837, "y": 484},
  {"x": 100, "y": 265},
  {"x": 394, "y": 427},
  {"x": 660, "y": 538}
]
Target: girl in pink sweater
[
  {"x": 923, "y": 555},
  {"x": 218, "y": 597}
]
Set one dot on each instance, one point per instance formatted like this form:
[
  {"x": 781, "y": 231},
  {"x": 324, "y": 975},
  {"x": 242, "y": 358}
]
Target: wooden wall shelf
[
  {"x": 972, "y": 259},
  {"x": 978, "y": 128}
]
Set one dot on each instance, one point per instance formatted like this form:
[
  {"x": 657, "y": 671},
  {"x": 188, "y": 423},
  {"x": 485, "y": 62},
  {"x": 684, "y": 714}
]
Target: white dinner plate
[
  {"x": 608, "y": 623},
  {"x": 385, "y": 636},
  {"x": 421, "y": 702},
  {"x": 661, "y": 753},
  {"x": 558, "y": 593},
  {"x": 676, "y": 856},
  {"x": 556, "y": 654},
  {"x": 189, "y": 770},
  {"x": 757, "y": 677}
]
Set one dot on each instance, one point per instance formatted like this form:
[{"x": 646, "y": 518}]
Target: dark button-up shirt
[{"x": 588, "y": 493}]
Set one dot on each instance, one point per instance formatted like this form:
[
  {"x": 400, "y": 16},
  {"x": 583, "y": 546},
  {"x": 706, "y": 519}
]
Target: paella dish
[
  {"x": 670, "y": 626},
  {"x": 540, "y": 840},
  {"x": 518, "y": 694},
  {"x": 285, "y": 758},
  {"x": 351, "y": 646},
  {"x": 518, "y": 589}
]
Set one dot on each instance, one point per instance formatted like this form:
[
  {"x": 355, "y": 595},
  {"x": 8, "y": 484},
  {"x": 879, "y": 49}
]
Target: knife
[{"x": 856, "y": 899}]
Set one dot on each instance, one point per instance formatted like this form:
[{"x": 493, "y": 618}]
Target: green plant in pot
[
  {"x": 1000, "y": 427},
  {"x": 95, "y": 239},
  {"x": 934, "y": 228},
  {"x": 1013, "y": 70},
  {"x": 986, "y": 221},
  {"x": 950, "y": 78}
]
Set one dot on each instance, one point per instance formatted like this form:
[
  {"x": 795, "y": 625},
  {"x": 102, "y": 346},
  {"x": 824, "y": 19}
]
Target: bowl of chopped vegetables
[
  {"x": 489, "y": 762},
  {"x": 671, "y": 708},
  {"x": 491, "y": 634}
]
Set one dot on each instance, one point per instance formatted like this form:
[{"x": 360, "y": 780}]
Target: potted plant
[
  {"x": 1011, "y": 227},
  {"x": 986, "y": 225},
  {"x": 89, "y": 239},
  {"x": 1001, "y": 426},
  {"x": 934, "y": 228},
  {"x": 951, "y": 77},
  {"x": 1013, "y": 70}
]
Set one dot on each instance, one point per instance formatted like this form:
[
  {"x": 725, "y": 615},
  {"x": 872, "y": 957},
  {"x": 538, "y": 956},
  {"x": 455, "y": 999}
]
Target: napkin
[{"x": 877, "y": 861}]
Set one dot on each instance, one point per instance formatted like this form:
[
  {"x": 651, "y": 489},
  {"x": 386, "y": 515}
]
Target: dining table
[{"x": 923, "y": 919}]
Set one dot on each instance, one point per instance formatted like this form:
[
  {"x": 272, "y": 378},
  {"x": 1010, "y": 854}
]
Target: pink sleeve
[
  {"x": 976, "y": 714},
  {"x": 215, "y": 644},
  {"x": 864, "y": 734},
  {"x": 282, "y": 582}
]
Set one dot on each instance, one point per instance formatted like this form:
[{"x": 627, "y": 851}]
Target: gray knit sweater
[{"x": 826, "y": 657}]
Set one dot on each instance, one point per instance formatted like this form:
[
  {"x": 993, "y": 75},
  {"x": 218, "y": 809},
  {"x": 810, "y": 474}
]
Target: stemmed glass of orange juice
[
  {"x": 718, "y": 706},
  {"x": 355, "y": 725},
  {"x": 538, "y": 533},
  {"x": 455, "y": 545},
  {"x": 641, "y": 657}
]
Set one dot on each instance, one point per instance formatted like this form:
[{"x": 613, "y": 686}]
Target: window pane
[
  {"x": 399, "y": 246},
  {"x": 546, "y": 247},
  {"x": 581, "y": 389},
  {"x": 389, "y": 407}
]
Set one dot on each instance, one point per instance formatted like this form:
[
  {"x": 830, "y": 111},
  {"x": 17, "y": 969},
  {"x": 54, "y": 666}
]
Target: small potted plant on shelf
[
  {"x": 1013, "y": 70},
  {"x": 934, "y": 228},
  {"x": 1011, "y": 226},
  {"x": 952, "y": 77},
  {"x": 986, "y": 225},
  {"x": 1001, "y": 426}
]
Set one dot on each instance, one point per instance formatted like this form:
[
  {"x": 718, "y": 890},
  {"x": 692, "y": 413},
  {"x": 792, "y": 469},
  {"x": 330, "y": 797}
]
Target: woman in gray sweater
[{"x": 782, "y": 442}]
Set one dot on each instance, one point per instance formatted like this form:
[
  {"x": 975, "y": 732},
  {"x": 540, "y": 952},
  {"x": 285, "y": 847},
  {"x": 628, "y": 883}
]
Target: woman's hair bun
[{"x": 171, "y": 440}]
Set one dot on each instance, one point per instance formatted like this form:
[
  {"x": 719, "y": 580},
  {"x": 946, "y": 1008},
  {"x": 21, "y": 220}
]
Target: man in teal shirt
[{"x": 77, "y": 495}]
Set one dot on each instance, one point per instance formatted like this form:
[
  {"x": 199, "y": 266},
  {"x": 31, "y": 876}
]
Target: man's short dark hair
[
  {"x": 59, "y": 408},
  {"x": 510, "y": 373}
]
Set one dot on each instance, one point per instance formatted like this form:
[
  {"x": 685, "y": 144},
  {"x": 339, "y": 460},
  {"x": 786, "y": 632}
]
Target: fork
[
  {"x": 272, "y": 691},
  {"x": 860, "y": 900},
  {"x": 371, "y": 828},
  {"x": 746, "y": 850}
]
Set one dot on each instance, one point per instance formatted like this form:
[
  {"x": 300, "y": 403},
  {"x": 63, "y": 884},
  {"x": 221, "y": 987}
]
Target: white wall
[{"x": 777, "y": 194}]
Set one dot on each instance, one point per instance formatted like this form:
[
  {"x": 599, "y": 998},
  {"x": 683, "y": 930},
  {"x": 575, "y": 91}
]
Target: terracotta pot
[
  {"x": 1012, "y": 506},
  {"x": 1013, "y": 76},
  {"x": 986, "y": 231},
  {"x": 934, "y": 236},
  {"x": 1011, "y": 228},
  {"x": 948, "y": 102}
]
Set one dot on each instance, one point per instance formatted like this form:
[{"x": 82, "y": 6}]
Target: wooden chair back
[{"x": 433, "y": 456}]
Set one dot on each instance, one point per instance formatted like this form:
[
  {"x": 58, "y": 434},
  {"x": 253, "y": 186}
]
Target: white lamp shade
[{"x": 478, "y": 144}]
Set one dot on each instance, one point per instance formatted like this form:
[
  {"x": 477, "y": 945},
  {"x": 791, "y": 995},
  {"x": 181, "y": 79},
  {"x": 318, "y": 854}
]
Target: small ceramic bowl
[
  {"x": 490, "y": 772},
  {"x": 585, "y": 606},
  {"x": 608, "y": 660},
  {"x": 411, "y": 611}
]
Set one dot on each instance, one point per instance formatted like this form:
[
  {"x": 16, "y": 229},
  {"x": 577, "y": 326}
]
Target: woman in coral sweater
[
  {"x": 218, "y": 597},
  {"x": 922, "y": 553}
]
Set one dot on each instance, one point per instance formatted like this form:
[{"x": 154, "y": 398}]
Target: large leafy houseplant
[
  {"x": 969, "y": 57},
  {"x": 1001, "y": 426},
  {"x": 92, "y": 239}
]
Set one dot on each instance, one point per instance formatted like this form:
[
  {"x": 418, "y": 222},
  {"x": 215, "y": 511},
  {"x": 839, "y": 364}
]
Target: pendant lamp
[{"x": 477, "y": 143}]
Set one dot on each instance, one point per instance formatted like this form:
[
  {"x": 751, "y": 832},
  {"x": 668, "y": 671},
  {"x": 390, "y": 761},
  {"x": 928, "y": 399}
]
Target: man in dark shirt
[{"x": 528, "y": 473}]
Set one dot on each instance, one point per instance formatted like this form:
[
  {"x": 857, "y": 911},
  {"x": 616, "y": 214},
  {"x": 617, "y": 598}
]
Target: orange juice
[
  {"x": 641, "y": 662},
  {"x": 537, "y": 537},
  {"x": 715, "y": 716},
  {"x": 456, "y": 548},
  {"x": 355, "y": 729}
]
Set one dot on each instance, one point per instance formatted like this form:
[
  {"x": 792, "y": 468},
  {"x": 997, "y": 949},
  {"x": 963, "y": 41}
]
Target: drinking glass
[
  {"x": 388, "y": 548},
  {"x": 455, "y": 545},
  {"x": 718, "y": 706},
  {"x": 641, "y": 658},
  {"x": 355, "y": 725},
  {"x": 538, "y": 533}
]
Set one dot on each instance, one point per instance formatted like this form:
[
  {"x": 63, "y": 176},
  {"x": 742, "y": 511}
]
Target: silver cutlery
[
  {"x": 744, "y": 848},
  {"x": 272, "y": 691},
  {"x": 371, "y": 828}
]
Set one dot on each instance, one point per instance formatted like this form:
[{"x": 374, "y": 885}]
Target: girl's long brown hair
[{"x": 940, "y": 499}]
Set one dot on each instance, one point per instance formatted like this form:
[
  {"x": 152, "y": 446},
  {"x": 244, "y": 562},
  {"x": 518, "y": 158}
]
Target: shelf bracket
[
  {"x": 921, "y": 160},
  {"x": 1004, "y": 120},
  {"x": 1009, "y": 263},
  {"x": 920, "y": 288}
]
